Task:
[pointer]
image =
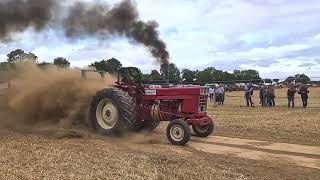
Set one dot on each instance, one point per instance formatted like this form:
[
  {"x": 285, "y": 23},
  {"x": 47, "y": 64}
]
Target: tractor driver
[{"x": 128, "y": 79}]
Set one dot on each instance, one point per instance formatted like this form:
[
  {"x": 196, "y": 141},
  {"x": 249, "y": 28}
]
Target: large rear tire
[
  {"x": 178, "y": 132},
  {"x": 203, "y": 131},
  {"x": 112, "y": 112}
]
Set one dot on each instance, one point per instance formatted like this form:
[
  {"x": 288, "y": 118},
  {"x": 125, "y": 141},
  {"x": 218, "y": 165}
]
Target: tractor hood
[
  {"x": 173, "y": 91},
  {"x": 192, "y": 96}
]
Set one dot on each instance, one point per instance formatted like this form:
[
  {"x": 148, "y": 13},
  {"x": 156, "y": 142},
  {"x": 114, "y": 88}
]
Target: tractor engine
[{"x": 166, "y": 103}]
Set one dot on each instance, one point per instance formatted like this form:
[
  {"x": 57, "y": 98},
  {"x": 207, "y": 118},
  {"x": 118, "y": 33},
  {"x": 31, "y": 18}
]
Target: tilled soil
[
  {"x": 37, "y": 156},
  {"x": 255, "y": 143},
  {"x": 299, "y": 155}
]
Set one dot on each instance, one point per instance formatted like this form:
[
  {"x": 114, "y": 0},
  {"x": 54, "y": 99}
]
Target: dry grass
[
  {"x": 30, "y": 156},
  {"x": 278, "y": 124},
  {"x": 39, "y": 156}
]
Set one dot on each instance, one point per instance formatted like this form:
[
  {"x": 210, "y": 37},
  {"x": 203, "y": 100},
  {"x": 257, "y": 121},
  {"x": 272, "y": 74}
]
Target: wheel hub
[
  {"x": 177, "y": 133},
  {"x": 107, "y": 114}
]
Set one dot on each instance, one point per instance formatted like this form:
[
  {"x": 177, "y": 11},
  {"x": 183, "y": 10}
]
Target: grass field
[
  {"x": 46, "y": 155},
  {"x": 277, "y": 124}
]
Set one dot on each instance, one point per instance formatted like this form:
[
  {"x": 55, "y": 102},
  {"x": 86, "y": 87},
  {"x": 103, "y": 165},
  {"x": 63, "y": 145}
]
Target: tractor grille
[{"x": 203, "y": 99}]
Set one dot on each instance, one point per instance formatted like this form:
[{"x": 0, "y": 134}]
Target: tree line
[{"x": 167, "y": 72}]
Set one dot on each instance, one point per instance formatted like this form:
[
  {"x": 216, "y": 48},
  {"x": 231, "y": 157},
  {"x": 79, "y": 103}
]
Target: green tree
[
  {"x": 298, "y": 78},
  {"x": 188, "y": 75},
  {"x": 290, "y": 79},
  {"x": 205, "y": 75},
  {"x": 61, "y": 62},
  {"x": 164, "y": 71},
  {"x": 211, "y": 75},
  {"x": 111, "y": 65},
  {"x": 13, "y": 56},
  {"x": 170, "y": 72},
  {"x": 228, "y": 76},
  {"x": 155, "y": 75},
  {"x": 146, "y": 78},
  {"x": 100, "y": 65},
  {"x": 19, "y": 55},
  {"x": 248, "y": 75},
  {"x": 302, "y": 78},
  {"x": 218, "y": 75}
]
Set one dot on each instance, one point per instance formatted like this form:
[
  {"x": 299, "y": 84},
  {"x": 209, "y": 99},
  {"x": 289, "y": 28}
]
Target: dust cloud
[
  {"x": 54, "y": 103},
  {"x": 49, "y": 99}
]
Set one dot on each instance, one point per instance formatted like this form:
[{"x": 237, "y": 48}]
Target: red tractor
[{"x": 131, "y": 105}]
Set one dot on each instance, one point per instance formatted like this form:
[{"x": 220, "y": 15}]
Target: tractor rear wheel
[
  {"x": 112, "y": 112},
  {"x": 203, "y": 131},
  {"x": 178, "y": 132}
]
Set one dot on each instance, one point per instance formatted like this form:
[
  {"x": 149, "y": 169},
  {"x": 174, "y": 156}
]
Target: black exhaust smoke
[
  {"x": 83, "y": 19},
  {"x": 18, "y": 15}
]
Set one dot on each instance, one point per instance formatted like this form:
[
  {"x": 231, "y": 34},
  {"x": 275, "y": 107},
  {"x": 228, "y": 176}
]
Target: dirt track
[
  {"x": 63, "y": 155},
  {"x": 150, "y": 156},
  {"x": 300, "y": 155}
]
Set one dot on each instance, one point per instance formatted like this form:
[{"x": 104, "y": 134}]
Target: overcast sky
[{"x": 276, "y": 37}]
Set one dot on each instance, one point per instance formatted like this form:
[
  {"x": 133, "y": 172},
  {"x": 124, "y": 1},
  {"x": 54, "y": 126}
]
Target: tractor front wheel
[
  {"x": 203, "y": 131},
  {"x": 178, "y": 132}
]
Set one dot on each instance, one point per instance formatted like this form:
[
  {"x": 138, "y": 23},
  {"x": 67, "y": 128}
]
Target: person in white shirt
[
  {"x": 212, "y": 94},
  {"x": 220, "y": 95}
]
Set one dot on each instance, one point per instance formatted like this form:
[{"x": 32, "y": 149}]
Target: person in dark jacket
[
  {"x": 262, "y": 96},
  {"x": 291, "y": 92},
  {"x": 248, "y": 94},
  {"x": 266, "y": 97},
  {"x": 303, "y": 91},
  {"x": 271, "y": 96}
]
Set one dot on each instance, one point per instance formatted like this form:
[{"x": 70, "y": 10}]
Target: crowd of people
[
  {"x": 303, "y": 91},
  {"x": 217, "y": 95},
  {"x": 267, "y": 95}
]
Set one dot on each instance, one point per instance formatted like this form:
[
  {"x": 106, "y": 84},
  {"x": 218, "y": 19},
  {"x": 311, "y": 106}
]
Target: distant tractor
[{"x": 132, "y": 106}]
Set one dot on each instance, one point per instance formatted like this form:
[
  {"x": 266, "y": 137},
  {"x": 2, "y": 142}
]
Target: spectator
[
  {"x": 216, "y": 93},
  {"x": 248, "y": 95},
  {"x": 291, "y": 92},
  {"x": 271, "y": 96},
  {"x": 266, "y": 97},
  {"x": 212, "y": 94},
  {"x": 263, "y": 96},
  {"x": 220, "y": 95},
  {"x": 303, "y": 91}
]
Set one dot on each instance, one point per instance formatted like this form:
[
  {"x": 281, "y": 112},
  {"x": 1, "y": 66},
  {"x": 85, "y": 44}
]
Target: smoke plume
[
  {"x": 83, "y": 19},
  {"x": 18, "y": 15}
]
